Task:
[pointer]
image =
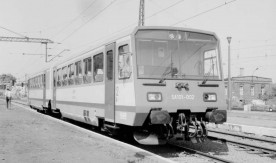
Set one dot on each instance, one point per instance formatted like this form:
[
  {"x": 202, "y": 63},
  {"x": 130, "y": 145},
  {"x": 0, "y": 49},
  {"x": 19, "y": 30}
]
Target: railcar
[{"x": 156, "y": 82}]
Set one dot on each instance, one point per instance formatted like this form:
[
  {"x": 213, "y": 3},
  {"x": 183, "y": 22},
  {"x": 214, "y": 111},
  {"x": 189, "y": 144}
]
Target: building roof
[{"x": 255, "y": 79}]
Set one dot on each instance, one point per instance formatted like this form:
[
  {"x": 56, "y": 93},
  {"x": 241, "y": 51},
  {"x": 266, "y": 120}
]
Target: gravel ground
[
  {"x": 226, "y": 151},
  {"x": 245, "y": 140}
]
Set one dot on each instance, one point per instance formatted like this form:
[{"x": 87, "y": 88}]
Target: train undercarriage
[{"x": 162, "y": 126}]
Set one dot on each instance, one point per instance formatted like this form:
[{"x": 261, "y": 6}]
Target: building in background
[{"x": 247, "y": 88}]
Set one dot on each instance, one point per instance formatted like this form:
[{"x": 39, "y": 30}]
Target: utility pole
[
  {"x": 46, "y": 51},
  {"x": 141, "y": 13},
  {"x": 28, "y": 40},
  {"x": 229, "y": 75}
]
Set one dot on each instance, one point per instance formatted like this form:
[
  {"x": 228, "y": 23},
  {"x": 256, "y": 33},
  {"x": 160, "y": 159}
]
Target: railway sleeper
[{"x": 268, "y": 155}]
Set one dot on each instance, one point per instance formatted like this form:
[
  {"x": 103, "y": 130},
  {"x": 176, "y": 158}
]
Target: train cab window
[
  {"x": 109, "y": 65},
  {"x": 87, "y": 78},
  {"x": 71, "y": 73},
  {"x": 124, "y": 65},
  {"x": 98, "y": 67},
  {"x": 211, "y": 64},
  {"x": 64, "y": 75}
]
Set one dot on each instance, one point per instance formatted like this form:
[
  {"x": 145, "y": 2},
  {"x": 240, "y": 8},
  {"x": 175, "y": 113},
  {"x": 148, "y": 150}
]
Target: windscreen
[{"x": 175, "y": 54}]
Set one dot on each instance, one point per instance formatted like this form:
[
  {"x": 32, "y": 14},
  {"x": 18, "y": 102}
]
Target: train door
[
  {"x": 110, "y": 83},
  {"x": 44, "y": 87},
  {"x": 54, "y": 87}
]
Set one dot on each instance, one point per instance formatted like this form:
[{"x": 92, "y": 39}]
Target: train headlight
[
  {"x": 210, "y": 97},
  {"x": 154, "y": 97}
]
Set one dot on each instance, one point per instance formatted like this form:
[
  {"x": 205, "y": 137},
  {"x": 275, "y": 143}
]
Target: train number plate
[{"x": 183, "y": 97}]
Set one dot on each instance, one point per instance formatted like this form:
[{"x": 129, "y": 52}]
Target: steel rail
[
  {"x": 243, "y": 136},
  {"x": 202, "y": 154},
  {"x": 263, "y": 149}
]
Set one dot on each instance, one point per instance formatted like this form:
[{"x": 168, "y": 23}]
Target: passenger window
[
  {"x": 59, "y": 77},
  {"x": 109, "y": 65},
  {"x": 87, "y": 78},
  {"x": 98, "y": 67},
  {"x": 54, "y": 76},
  {"x": 78, "y": 69},
  {"x": 124, "y": 65},
  {"x": 78, "y": 79},
  {"x": 71, "y": 70},
  {"x": 64, "y": 76}
]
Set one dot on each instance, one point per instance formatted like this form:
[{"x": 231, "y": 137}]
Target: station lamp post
[{"x": 229, "y": 75}]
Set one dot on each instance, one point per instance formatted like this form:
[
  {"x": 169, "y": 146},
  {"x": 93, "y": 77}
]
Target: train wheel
[{"x": 153, "y": 135}]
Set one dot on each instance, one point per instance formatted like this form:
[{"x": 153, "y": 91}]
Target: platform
[
  {"x": 28, "y": 136},
  {"x": 259, "y": 123}
]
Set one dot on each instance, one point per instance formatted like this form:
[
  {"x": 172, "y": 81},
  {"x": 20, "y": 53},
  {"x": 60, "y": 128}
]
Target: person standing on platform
[{"x": 8, "y": 98}]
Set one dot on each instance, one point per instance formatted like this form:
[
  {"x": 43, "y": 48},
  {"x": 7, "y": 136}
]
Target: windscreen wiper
[
  {"x": 165, "y": 73},
  {"x": 203, "y": 84}
]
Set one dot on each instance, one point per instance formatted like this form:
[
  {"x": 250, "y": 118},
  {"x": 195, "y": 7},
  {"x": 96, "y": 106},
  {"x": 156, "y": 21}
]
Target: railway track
[
  {"x": 243, "y": 136},
  {"x": 214, "y": 158},
  {"x": 250, "y": 148}
]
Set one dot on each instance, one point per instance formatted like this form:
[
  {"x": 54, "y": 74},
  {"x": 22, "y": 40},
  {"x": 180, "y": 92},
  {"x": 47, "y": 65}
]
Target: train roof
[
  {"x": 118, "y": 35},
  {"x": 132, "y": 31},
  {"x": 173, "y": 28}
]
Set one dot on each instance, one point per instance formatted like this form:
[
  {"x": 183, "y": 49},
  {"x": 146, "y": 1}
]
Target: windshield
[{"x": 174, "y": 54}]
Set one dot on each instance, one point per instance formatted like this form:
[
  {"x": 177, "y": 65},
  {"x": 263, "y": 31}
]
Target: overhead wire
[
  {"x": 74, "y": 19},
  {"x": 165, "y": 8},
  {"x": 68, "y": 36},
  {"x": 186, "y": 19},
  {"x": 204, "y": 12},
  {"x": 133, "y": 24},
  {"x": 82, "y": 25},
  {"x": 162, "y": 10},
  {"x": 13, "y": 32}
]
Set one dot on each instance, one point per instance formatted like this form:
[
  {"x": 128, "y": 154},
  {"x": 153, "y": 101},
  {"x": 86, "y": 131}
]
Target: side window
[
  {"x": 124, "y": 65},
  {"x": 64, "y": 75},
  {"x": 54, "y": 77},
  {"x": 211, "y": 64},
  {"x": 78, "y": 69},
  {"x": 87, "y": 78},
  {"x": 71, "y": 73},
  {"x": 40, "y": 81},
  {"x": 241, "y": 90},
  {"x": 59, "y": 77},
  {"x": 263, "y": 90},
  {"x": 109, "y": 65},
  {"x": 78, "y": 79},
  {"x": 98, "y": 67},
  {"x": 252, "y": 90}
]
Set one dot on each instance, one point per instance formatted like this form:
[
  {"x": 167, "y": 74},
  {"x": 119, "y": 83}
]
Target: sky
[{"x": 76, "y": 25}]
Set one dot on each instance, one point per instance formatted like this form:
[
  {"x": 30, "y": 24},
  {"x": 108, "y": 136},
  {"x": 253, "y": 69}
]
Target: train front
[{"x": 179, "y": 86}]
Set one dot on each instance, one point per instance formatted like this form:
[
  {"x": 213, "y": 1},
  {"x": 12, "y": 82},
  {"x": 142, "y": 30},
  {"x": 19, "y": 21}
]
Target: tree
[
  {"x": 7, "y": 78},
  {"x": 274, "y": 90}
]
